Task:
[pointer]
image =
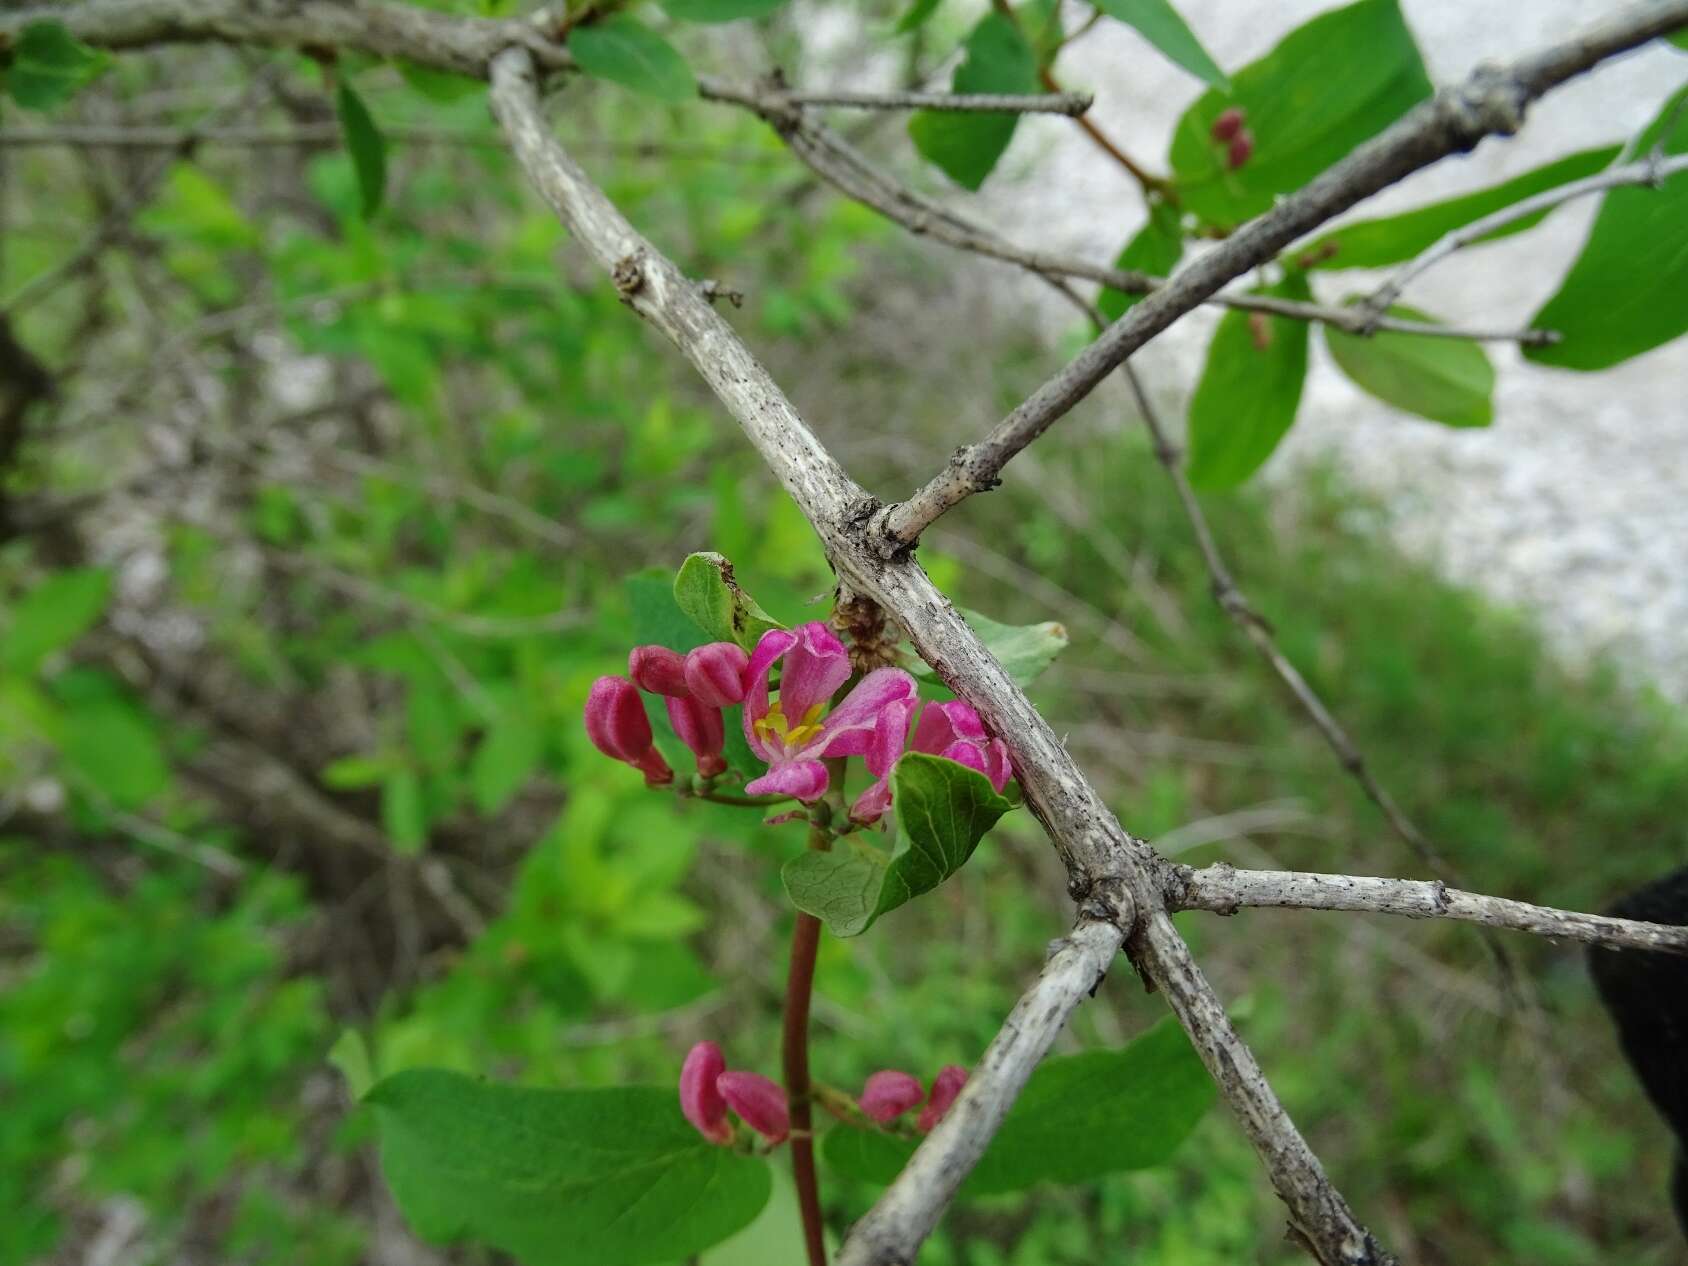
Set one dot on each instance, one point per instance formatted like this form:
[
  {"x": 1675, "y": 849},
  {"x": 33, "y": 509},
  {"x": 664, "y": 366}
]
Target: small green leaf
[
  {"x": 366, "y": 145},
  {"x": 1329, "y": 85},
  {"x": 48, "y": 65},
  {"x": 1155, "y": 249},
  {"x": 504, "y": 761},
  {"x": 1397, "y": 238},
  {"x": 966, "y": 146},
  {"x": 351, "y": 772},
  {"x": 705, "y": 590},
  {"x": 1627, "y": 292},
  {"x": 943, "y": 810},
  {"x": 437, "y": 85},
  {"x": 403, "y": 816},
  {"x": 349, "y": 1056},
  {"x": 1159, "y": 23},
  {"x": 1249, "y": 391},
  {"x": 1447, "y": 380},
  {"x": 1680, "y": 39},
  {"x": 720, "y": 10},
  {"x": 916, "y": 16},
  {"x": 1023, "y": 650},
  {"x": 116, "y": 751},
  {"x": 613, "y": 1177},
  {"x": 624, "y": 52},
  {"x": 54, "y": 614},
  {"x": 1079, "y": 1118}
]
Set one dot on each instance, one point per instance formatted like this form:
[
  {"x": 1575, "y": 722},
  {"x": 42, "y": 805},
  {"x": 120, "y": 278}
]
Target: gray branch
[
  {"x": 1223, "y": 889},
  {"x": 1105, "y": 864},
  {"x": 1071, "y": 103},
  {"x": 893, "y": 1230},
  {"x": 1492, "y": 101}
]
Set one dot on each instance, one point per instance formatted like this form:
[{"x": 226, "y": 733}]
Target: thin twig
[
  {"x": 1491, "y": 101},
  {"x": 1651, "y": 171},
  {"x": 1070, "y": 103},
  {"x": 1223, "y": 889}
]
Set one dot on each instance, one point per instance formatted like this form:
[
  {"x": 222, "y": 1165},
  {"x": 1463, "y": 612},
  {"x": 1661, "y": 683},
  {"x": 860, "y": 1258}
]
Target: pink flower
[
  {"x": 658, "y": 671},
  {"x": 945, "y": 1087},
  {"x": 700, "y": 728},
  {"x": 950, "y": 729},
  {"x": 618, "y": 727},
  {"x": 888, "y": 1094},
  {"x": 793, "y": 733},
  {"x": 700, "y": 1098},
  {"x": 1227, "y": 125},
  {"x": 715, "y": 674},
  {"x": 759, "y": 1101}
]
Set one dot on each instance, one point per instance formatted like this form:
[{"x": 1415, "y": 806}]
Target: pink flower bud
[
  {"x": 658, "y": 670},
  {"x": 699, "y": 1099},
  {"x": 945, "y": 1087},
  {"x": 888, "y": 1094},
  {"x": 1242, "y": 145},
  {"x": 617, "y": 725},
  {"x": 715, "y": 674},
  {"x": 701, "y": 729},
  {"x": 759, "y": 1101},
  {"x": 1227, "y": 125}
]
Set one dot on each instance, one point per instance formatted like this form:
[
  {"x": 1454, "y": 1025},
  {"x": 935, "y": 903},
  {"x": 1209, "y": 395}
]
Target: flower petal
[
  {"x": 890, "y": 733},
  {"x": 998, "y": 766},
  {"x": 964, "y": 753},
  {"x": 943, "y": 723},
  {"x": 848, "y": 728},
  {"x": 815, "y": 667},
  {"x": 759, "y": 1101},
  {"x": 773, "y": 644},
  {"x": 870, "y": 806},
  {"x": 889, "y": 1093},
  {"x": 805, "y": 779},
  {"x": 700, "y": 1099}
]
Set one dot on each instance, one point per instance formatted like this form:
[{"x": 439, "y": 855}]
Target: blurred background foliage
[{"x": 314, "y": 539}]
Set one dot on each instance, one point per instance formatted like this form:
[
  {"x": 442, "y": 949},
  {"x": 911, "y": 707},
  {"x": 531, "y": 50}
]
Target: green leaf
[
  {"x": 1249, "y": 391},
  {"x": 966, "y": 146},
  {"x": 48, "y": 65},
  {"x": 1159, "y": 23},
  {"x": 366, "y": 145},
  {"x": 437, "y": 85},
  {"x": 943, "y": 810},
  {"x": 351, "y": 772},
  {"x": 504, "y": 761},
  {"x": 719, "y": 10},
  {"x": 1397, "y": 238},
  {"x": 705, "y": 590},
  {"x": 1680, "y": 39},
  {"x": 1155, "y": 249},
  {"x": 349, "y": 1056},
  {"x": 1023, "y": 650},
  {"x": 1447, "y": 380},
  {"x": 1627, "y": 292},
  {"x": 1079, "y": 1118},
  {"x": 115, "y": 750},
  {"x": 1329, "y": 85},
  {"x": 403, "y": 816},
  {"x": 622, "y": 51},
  {"x": 916, "y": 16},
  {"x": 54, "y": 614},
  {"x": 613, "y": 1177}
]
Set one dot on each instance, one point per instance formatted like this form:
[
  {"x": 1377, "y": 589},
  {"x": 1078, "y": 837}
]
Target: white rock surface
[{"x": 1575, "y": 503}]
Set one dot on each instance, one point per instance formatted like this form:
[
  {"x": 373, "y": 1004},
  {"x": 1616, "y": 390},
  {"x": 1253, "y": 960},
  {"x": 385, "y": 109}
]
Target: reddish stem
[{"x": 799, "y": 982}]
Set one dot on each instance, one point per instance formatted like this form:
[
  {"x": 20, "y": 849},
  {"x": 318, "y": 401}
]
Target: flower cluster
[
  {"x": 793, "y": 732},
  {"x": 708, "y": 1088},
  {"x": 710, "y": 1091},
  {"x": 1230, "y": 129}
]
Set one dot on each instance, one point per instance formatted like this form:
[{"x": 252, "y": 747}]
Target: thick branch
[
  {"x": 1652, "y": 171},
  {"x": 1099, "y": 854},
  {"x": 893, "y": 1230},
  {"x": 1223, "y": 889},
  {"x": 1490, "y": 102}
]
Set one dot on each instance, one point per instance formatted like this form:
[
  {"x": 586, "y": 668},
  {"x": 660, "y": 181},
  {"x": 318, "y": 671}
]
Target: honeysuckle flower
[
  {"x": 945, "y": 1087},
  {"x": 700, "y": 1097},
  {"x": 951, "y": 729},
  {"x": 888, "y": 1094},
  {"x": 795, "y": 731},
  {"x": 759, "y": 1101},
  {"x": 700, "y": 728},
  {"x": 618, "y": 727},
  {"x": 715, "y": 673},
  {"x": 658, "y": 671}
]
